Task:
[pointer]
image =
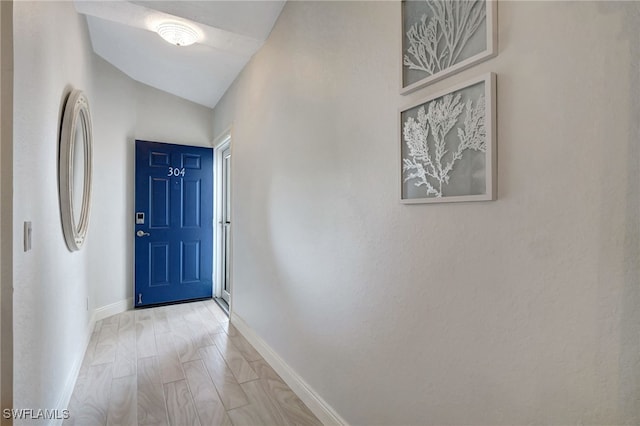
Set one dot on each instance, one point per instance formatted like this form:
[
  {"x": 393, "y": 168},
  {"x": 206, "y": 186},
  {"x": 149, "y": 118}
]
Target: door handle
[{"x": 141, "y": 233}]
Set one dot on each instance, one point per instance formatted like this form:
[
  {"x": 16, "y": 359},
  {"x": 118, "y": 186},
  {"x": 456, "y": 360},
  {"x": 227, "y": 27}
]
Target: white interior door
[{"x": 225, "y": 224}]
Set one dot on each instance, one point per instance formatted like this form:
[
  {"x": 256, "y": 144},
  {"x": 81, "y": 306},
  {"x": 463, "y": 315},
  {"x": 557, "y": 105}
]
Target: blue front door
[{"x": 173, "y": 223}]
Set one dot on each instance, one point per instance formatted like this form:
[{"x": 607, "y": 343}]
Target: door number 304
[{"x": 174, "y": 171}]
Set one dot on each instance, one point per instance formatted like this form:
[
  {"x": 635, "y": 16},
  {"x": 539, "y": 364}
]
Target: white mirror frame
[{"x": 76, "y": 113}]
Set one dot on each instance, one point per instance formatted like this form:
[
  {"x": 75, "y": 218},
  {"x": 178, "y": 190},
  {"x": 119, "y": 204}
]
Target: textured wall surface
[
  {"x": 6, "y": 203},
  {"x": 523, "y": 310},
  {"x": 125, "y": 111},
  {"x": 52, "y": 55}
]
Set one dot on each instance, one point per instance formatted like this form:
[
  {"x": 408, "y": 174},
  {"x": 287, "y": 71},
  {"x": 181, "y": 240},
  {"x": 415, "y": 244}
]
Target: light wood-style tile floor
[{"x": 179, "y": 365}]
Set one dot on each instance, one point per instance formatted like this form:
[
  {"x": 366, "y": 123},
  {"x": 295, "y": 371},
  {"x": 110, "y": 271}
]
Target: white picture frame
[
  {"x": 425, "y": 57},
  {"x": 447, "y": 145}
]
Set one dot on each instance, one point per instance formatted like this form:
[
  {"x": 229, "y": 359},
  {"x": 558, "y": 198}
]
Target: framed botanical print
[
  {"x": 448, "y": 145},
  {"x": 443, "y": 37}
]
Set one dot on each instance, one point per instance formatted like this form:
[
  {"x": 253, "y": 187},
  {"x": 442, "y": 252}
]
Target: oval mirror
[{"x": 74, "y": 176}]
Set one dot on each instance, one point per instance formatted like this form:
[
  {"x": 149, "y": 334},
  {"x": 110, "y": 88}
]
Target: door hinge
[{"x": 139, "y": 298}]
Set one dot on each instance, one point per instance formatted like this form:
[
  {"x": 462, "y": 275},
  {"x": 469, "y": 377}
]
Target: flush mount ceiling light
[{"x": 177, "y": 33}]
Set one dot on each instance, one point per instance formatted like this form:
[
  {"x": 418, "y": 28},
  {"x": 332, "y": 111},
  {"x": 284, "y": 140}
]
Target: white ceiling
[{"x": 122, "y": 32}]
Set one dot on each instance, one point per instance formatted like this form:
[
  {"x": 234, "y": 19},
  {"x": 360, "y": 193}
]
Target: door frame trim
[
  {"x": 222, "y": 142},
  {"x": 6, "y": 207}
]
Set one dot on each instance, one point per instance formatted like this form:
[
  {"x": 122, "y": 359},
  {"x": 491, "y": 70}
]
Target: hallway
[{"x": 179, "y": 365}]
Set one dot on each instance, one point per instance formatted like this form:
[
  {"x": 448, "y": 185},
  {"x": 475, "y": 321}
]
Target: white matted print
[
  {"x": 443, "y": 37},
  {"x": 448, "y": 145}
]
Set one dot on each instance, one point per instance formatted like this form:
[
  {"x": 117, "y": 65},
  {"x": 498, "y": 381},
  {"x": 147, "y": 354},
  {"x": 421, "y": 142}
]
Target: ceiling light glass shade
[{"x": 177, "y": 33}]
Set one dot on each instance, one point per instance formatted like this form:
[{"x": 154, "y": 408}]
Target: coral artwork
[
  {"x": 443, "y": 36},
  {"x": 431, "y": 168},
  {"x": 435, "y": 42},
  {"x": 446, "y": 146}
]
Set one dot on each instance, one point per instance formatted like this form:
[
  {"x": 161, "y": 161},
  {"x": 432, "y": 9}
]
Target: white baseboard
[
  {"x": 318, "y": 406},
  {"x": 96, "y": 315},
  {"x": 112, "y": 309},
  {"x": 65, "y": 398}
]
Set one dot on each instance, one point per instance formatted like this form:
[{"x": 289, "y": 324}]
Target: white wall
[
  {"x": 53, "y": 54},
  {"x": 6, "y": 204},
  {"x": 139, "y": 112},
  {"x": 518, "y": 311}
]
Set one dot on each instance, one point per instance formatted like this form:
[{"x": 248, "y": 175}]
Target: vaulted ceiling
[{"x": 123, "y": 33}]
